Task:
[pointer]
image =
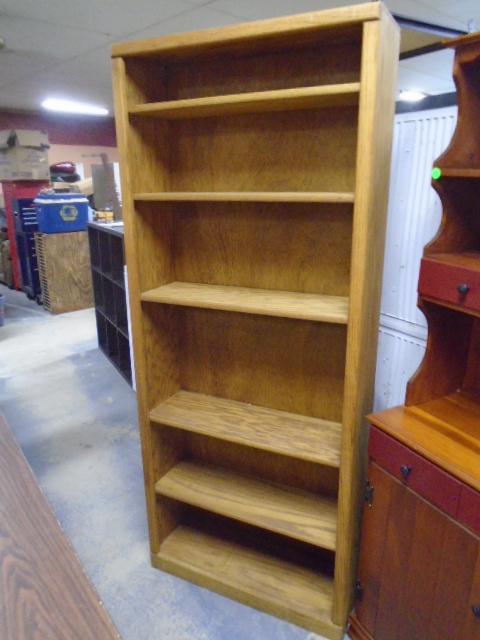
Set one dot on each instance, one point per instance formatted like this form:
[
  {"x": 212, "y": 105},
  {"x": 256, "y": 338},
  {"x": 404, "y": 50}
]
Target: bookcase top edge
[{"x": 192, "y": 42}]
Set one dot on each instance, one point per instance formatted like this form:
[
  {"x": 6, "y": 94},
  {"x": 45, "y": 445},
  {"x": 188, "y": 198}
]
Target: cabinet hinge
[
  {"x": 358, "y": 590},
  {"x": 369, "y": 491}
]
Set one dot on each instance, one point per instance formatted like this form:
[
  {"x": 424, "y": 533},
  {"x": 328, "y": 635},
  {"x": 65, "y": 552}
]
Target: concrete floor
[{"x": 75, "y": 418}]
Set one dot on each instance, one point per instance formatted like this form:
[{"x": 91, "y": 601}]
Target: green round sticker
[{"x": 436, "y": 173}]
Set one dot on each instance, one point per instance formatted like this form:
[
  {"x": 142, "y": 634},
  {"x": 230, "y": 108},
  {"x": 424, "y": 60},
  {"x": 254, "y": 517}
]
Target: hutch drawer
[
  {"x": 453, "y": 279},
  {"x": 428, "y": 480}
]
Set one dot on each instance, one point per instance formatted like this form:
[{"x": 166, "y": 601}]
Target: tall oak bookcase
[{"x": 255, "y": 162}]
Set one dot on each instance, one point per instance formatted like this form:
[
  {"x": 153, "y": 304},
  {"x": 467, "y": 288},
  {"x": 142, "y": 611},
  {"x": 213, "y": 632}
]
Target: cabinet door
[
  {"x": 375, "y": 519},
  {"x": 419, "y": 569}
]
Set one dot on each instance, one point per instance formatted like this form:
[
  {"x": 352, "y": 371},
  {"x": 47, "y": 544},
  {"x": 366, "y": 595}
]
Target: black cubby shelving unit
[{"x": 108, "y": 258}]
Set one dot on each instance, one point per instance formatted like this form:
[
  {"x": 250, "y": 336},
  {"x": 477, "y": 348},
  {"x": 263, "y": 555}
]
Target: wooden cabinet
[
  {"x": 254, "y": 178},
  {"x": 419, "y": 571},
  {"x": 420, "y": 554}
]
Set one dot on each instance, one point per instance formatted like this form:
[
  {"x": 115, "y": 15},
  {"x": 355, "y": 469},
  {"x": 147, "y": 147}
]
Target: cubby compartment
[
  {"x": 98, "y": 290},
  {"x": 117, "y": 259},
  {"x": 120, "y": 301},
  {"x": 295, "y": 579},
  {"x": 279, "y": 363},
  {"x": 109, "y": 299},
  {"x": 330, "y": 60},
  {"x": 311, "y": 151},
  {"x": 105, "y": 255},
  {"x": 94, "y": 242},
  {"x": 225, "y": 243}
]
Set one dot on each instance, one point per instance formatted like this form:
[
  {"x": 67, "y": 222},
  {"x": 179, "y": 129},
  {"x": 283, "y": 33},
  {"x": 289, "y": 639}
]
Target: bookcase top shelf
[
  {"x": 297, "y": 28},
  {"x": 280, "y": 432},
  {"x": 333, "y": 95},
  {"x": 265, "y": 302},
  {"x": 246, "y": 196}
]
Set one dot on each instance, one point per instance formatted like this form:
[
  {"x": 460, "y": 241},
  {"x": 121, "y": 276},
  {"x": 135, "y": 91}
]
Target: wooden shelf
[
  {"x": 264, "y": 302},
  {"x": 333, "y": 95},
  {"x": 257, "y": 579},
  {"x": 450, "y": 172},
  {"x": 445, "y": 431},
  {"x": 291, "y": 512},
  {"x": 284, "y": 433},
  {"x": 246, "y": 196}
]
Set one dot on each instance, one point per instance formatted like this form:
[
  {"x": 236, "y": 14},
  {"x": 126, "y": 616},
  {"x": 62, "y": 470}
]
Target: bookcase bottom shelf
[{"x": 257, "y": 579}]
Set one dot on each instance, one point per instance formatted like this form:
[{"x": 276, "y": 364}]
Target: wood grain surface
[
  {"x": 419, "y": 569},
  {"x": 253, "y": 102},
  {"x": 243, "y": 201},
  {"x": 373, "y": 154},
  {"x": 281, "y": 587},
  {"x": 297, "y": 514},
  {"x": 286, "y": 29},
  {"x": 265, "y": 302},
  {"x": 246, "y": 196},
  {"x": 44, "y": 592},
  {"x": 445, "y": 431},
  {"x": 277, "y": 431}
]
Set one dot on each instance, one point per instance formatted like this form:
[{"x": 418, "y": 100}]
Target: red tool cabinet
[{"x": 17, "y": 190}]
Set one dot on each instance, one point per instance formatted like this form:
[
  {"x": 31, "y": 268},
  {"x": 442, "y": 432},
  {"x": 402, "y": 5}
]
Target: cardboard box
[{"x": 24, "y": 155}]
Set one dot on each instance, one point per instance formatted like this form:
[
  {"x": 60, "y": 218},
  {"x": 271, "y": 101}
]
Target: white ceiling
[{"x": 61, "y": 48}]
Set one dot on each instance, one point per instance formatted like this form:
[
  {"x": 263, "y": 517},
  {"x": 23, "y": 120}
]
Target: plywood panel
[{"x": 64, "y": 267}]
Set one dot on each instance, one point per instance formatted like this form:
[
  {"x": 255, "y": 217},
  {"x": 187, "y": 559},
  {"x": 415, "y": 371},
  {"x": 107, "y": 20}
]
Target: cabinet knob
[
  {"x": 405, "y": 470},
  {"x": 463, "y": 289},
  {"x": 476, "y": 611}
]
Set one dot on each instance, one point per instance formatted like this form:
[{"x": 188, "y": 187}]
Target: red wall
[{"x": 64, "y": 129}]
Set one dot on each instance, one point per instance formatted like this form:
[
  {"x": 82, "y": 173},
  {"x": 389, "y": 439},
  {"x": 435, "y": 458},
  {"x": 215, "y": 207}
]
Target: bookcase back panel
[
  {"x": 273, "y": 65},
  {"x": 286, "y": 151},
  {"x": 257, "y": 463},
  {"x": 273, "y": 362},
  {"x": 304, "y": 67},
  {"x": 291, "y": 247}
]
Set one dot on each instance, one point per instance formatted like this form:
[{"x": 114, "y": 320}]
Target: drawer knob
[
  {"x": 405, "y": 470},
  {"x": 476, "y": 611},
  {"x": 463, "y": 289}
]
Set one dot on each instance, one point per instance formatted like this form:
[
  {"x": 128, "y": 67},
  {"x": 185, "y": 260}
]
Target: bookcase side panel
[
  {"x": 153, "y": 335},
  {"x": 377, "y": 101}
]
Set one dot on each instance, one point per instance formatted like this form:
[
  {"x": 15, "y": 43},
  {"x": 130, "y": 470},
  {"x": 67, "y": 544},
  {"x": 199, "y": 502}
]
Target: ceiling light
[
  {"x": 411, "y": 95},
  {"x": 70, "y": 106}
]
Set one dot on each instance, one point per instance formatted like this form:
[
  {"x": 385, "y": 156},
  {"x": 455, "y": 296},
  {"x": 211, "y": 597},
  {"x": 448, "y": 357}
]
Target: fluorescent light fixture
[
  {"x": 70, "y": 106},
  {"x": 411, "y": 95}
]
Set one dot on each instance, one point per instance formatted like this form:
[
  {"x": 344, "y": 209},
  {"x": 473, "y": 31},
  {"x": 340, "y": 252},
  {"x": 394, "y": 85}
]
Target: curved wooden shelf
[{"x": 291, "y": 512}]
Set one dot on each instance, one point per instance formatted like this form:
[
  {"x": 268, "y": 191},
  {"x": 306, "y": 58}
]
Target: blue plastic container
[{"x": 61, "y": 212}]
